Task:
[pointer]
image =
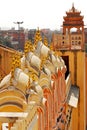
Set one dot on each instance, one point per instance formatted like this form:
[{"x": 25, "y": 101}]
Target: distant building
[
  {"x": 44, "y": 33},
  {"x": 16, "y": 37}
]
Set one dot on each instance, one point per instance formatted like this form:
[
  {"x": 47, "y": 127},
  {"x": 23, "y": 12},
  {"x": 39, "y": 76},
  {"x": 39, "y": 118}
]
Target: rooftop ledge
[{"x": 13, "y": 114}]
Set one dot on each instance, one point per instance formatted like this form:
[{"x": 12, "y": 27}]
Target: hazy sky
[{"x": 38, "y": 13}]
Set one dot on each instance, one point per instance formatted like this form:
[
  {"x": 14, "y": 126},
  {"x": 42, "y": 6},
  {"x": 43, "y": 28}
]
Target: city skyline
[{"x": 38, "y": 13}]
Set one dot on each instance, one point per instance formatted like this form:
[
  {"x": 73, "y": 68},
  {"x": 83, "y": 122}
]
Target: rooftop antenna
[
  {"x": 18, "y": 24},
  {"x": 19, "y": 41}
]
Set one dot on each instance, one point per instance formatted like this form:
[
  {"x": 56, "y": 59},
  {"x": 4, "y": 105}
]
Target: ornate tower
[{"x": 73, "y": 19}]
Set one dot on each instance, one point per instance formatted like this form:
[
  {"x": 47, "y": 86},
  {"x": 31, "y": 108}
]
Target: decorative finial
[
  {"x": 72, "y": 4},
  {"x": 37, "y": 28},
  {"x": 28, "y": 47},
  {"x": 37, "y": 37},
  {"x": 73, "y": 8},
  {"x": 45, "y": 41},
  {"x": 15, "y": 62}
]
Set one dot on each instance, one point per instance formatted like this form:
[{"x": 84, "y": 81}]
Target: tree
[{"x": 6, "y": 41}]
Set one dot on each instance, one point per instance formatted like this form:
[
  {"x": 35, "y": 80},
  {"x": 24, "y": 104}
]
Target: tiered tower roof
[{"x": 73, "y": 17}]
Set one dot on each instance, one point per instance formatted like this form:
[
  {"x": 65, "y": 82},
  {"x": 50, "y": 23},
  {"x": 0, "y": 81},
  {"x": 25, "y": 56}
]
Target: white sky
[{"x": 38, "y": 13}]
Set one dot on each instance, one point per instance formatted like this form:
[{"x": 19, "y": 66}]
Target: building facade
[{"x": 6, "y": 54}]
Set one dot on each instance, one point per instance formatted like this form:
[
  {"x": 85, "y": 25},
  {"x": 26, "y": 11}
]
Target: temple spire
[
  {"x": 73, "y": 8},
  {"x": 72, "y": 4}
]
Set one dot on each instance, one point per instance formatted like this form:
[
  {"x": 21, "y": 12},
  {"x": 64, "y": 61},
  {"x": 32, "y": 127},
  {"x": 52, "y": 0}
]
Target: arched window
[
  {"x": 79, "y": 38},
  {"x": 79, "y": 42}
]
